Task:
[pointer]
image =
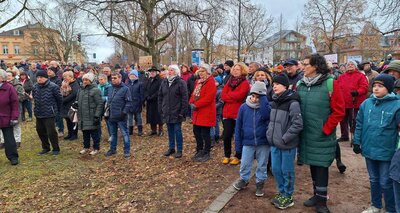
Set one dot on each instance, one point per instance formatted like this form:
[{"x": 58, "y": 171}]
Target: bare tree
[
  {"x": 255, "y": 27},
  {"x": 5, "y": 5},
  {"x": 389, "y": 11},
  {"x": 330, "y": 20},
  {"x": 157, "y": 19}
]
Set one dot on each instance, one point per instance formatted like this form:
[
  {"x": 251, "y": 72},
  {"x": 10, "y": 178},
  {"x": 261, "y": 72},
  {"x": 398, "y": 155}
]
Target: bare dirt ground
[{"x": 348, "y": 192}]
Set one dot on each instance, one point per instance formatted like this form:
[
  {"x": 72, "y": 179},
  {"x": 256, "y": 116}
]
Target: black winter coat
[
  {"x": 173, "y": 100},
  {"x": 69, "y": 99},
  {"x": 48, "y": 99},
  {"x": 137, "y": 95},
  {"x": 151, "y": 96}
]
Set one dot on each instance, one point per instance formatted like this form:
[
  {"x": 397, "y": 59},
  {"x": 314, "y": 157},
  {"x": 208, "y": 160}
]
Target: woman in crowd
[
  {"x": 90, "y": 107},
  {"x": 69, "y": 91},
  {"x": 233, "y": 94},
  {"x": 172, "y": 104},
  {"x": 322, "y": 110},
  {"x": 202, "y": 103},
  {"x": 153, "y": 116}
]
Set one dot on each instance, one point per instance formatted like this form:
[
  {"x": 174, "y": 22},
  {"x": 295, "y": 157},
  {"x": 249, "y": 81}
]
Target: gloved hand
[
  {"x": 13, "y": 122},
  {"x": 75, "y": 105},
  {"x": 356, "y": 148},
  {"x": 354, "y": 93},
  {"x": 193, "y": 107},
  {"x": 96, "y": 121}
]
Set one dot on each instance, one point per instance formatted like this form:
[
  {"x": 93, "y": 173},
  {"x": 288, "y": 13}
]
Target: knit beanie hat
[
  {"x": 258, "y": 88},
  {"x": 89, "y": 76},
  {"x": 281, "y": 79},
  {"x": 229, "y": 63},
  {"x": 42, "y": 73},
  {"x": 134, "y": 72},
  {"x": 385, "y": 80}
]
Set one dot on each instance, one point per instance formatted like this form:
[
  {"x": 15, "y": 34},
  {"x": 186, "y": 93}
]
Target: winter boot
[
  {"x": 312, "y": 201},
  {"x": 140, "y": 130},
  {"x": 321, "y": 197},
  {"x": 169, "y": 152},
  {"x": 259, "y": 189},
  {"x": 130, "y": 130}
]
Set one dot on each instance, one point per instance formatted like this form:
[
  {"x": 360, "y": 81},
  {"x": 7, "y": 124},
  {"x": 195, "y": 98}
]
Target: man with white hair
[
  {"x": 172, "y": 104},
  {"x": 354, "y": 86}
]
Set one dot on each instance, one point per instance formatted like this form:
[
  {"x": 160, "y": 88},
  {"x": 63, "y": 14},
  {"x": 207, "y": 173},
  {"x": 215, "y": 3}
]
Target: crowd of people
[{"x": 274, "y": 114}]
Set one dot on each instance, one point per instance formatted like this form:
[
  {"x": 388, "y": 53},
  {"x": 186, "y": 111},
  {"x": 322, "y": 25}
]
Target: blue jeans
[
  {"x": 380, "y": 182},
  {"x": 27, "y": 104},
  {"x": 175, "y": 135},
  {"x": 283, "y": 169},
  {"x": 114, "y": 135},
  {"x": 215, "y": 130},
  {"x": 396, "y": 189},
  {"x": 262, "y": 153},
  {"x": 135, "y": 116}
]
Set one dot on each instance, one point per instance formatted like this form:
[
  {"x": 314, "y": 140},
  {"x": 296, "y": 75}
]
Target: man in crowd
[
  {"x": 371, "y": 75},
  {"x": 227, "y": 68},
  {"x": 293, "y": 72},
  {"x": 253, "y": 67},
  {"x": 48, "y": 100}
]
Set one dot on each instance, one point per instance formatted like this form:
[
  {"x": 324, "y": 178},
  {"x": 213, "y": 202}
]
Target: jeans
[
  {"x": 10, "y": 147},
  {"x": 215, "y": 130},
  {"x": 380, "y": 182},
  {"x": 27, "y": 104},
  {"x": 95, "y": 137},
  {"x": 137, "y": 117},
  {"x": 203, "y": 139},
  {"x": 59, "y": 123},
  {"x": 114, "y": 135},
  {"x": 175, "y": 136},
  {"x": 261, "y": 152},
  {"x": 46, "y": 129},
  {"x": 283, "y": 169},
  {"x": 396, "y": 189}
]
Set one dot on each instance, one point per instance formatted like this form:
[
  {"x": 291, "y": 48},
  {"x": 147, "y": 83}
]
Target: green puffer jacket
[
  {"x": 90, "y": 105},
  {"x": 321, "y": 113}
]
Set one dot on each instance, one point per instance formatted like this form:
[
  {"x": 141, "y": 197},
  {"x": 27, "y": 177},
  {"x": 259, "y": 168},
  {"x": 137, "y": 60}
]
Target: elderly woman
[
  {"x": 9, "y": 113},
  {"x": 233, "y": 94},
  {"x": 69, "y": 90},
  {"x": 322, "y": 107},
  {"x": 27, "y": 102},
  {"x": 153, "y": 116},
  {"x": 172, "y": 104},
  {"x": 202, "y": 103},
  {"x": 90, "y": 107}
]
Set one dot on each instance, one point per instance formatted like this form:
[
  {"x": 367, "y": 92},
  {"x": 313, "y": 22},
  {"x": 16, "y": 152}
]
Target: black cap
[
  {"x": 291, "y": 62},
  {"x": 281, "y": 79},
  {"x": 229, "y": 63},
  {"x": 42, "y": 73}
]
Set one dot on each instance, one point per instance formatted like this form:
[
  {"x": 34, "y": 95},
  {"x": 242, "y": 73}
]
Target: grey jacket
[
  {"x": 90, "y": 105},
  {"x": 286, "y": 121}
]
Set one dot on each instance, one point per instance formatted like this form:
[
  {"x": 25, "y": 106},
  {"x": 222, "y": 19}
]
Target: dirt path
[{"x": 348, "y": 192}]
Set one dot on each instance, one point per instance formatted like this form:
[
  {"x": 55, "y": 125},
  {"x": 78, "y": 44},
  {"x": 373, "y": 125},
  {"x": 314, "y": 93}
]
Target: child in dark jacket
[
  {"x": 219, "y": 104},
  {"x": 395, "y": 176},
  {"x": 251, "y": 125},
  {"x": 376, "y": 137},
  {"x": 283, "y": 132}
]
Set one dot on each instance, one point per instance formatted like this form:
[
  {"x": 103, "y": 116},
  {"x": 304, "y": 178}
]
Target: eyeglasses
[
  {"x": 305, "y": 64},
  {"x": 114, "y": 78}
]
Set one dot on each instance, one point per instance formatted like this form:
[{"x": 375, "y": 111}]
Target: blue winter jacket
[
  {"x": 119, "y": 100},
  {"x": 252, "y": 124},
  {"x": 48, "y": 99},
  {"x": 137, "y": 95},
  {"x": 376, "y": 127}
]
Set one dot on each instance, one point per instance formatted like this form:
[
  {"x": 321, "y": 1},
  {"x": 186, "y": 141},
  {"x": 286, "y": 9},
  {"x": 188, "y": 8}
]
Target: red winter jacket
[
  {"x": 206, "y": 113},
  {"x": 351, "y": 81},
  {"x": 233, "y": 98},
  {"x": 9, "y": 105}
]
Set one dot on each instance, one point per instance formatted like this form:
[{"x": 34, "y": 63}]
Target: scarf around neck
[
  {"x": 235, "y": 81},
  {"x": 200, "y": 83},
  {"x": 309, "y": 81},
  {"x": 171, "y": 79},
  {"x": 252, "y": 104}
]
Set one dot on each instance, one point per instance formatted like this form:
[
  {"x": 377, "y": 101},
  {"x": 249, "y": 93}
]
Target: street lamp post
[{"x": 240, "y": 17}]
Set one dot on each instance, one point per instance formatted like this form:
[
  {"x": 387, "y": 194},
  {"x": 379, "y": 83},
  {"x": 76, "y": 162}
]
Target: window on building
[
  {"x": 35, "y": 49},
  {"x": 34, "y": 35},
  {"x": 16, "y": 32},
  {"x": 16, "y": 49},
  {"x": 5, "y": 49},
  {"x": 51, "y": 50}
]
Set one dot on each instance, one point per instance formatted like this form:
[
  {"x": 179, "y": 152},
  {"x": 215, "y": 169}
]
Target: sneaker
[
  {"x": 198, "y": 155},
  {"x": 284, "y": 202},
  {"x": 14, "y": 161},
  {"x": 55, "y": 152},
  {"x": 44, "y": 151},
  {"x": 206, "y": 157},
  {"x": 372, "y": 209},
  {"x": 234, "y": 161},
  {"x": 241, "y": 184},
  {"x": 61, "y": 134},
  {"x": 178, "y": 154},
  {"x": 110, "y": 153},
  {"x": 127, "y": 155},
  {"x": 94, "y": 152},
  {"x": 169, "y": 152},
  {"x": 84, "y": 151},
  {"x": 109, "y": 139},
  {"x": 276, "y": 199},
  {"x": 311, "y": 202},
  {"x": 73, "y": 137},
  {"x": 226, "y": 160},
  {"x": 259, "y": 189}
]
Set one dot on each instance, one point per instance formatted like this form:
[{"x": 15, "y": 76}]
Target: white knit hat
[{"x": 89, "y": 76}]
